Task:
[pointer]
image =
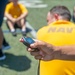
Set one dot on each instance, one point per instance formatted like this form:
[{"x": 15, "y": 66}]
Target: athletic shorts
[{"x": 15, "y": 26}]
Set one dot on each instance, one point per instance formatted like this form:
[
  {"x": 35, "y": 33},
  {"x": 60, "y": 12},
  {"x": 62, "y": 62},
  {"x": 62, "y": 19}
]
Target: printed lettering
[
  {"x": 52, "y": 29},
  {"x": 69, "y": 30},
  {"x": 61, "y": 30}
]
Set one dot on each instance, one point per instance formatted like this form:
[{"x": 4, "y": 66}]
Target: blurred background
[{"x": 18, "y": 61}]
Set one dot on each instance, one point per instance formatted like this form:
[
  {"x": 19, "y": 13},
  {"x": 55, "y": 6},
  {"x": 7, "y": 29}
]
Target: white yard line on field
[
  {"x": 32, "y": 32},
  {"x": 33, "y": 3}
]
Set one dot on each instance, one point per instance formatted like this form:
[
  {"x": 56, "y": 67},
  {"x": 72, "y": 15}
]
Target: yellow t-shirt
[
  {"x": 15, "y": 11},
  {"x": 58, "y": 33}
]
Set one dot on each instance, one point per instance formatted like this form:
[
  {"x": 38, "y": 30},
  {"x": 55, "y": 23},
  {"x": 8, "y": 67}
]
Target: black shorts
[{"x": 15, "y": 26}]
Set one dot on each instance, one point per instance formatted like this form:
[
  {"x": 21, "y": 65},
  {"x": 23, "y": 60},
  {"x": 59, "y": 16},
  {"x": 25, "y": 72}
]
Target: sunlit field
[{"x": 18, "y": 61}]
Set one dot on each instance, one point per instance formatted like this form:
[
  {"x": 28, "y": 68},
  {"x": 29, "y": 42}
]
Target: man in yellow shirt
[
  {"x": 16, "y": 14},
  {"x": 57, "y": 56}
]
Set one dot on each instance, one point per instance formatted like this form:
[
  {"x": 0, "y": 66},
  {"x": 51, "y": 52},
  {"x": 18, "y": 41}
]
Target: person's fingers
[
  {"x": 21, "y": 40},
  {"x": 34, "y": 53},
  {"x": 38, "y": 57},
  {"x": 29, "y": 50},
  {"x": 35, "y": 44},
  {"x": 42, "y": 53}
]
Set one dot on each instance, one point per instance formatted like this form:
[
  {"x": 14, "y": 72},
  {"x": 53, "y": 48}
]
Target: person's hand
[
  {"x": 13, "y": 20},
  {"x": 46, "y": 51},
  {"x": 18, "y": 19}
]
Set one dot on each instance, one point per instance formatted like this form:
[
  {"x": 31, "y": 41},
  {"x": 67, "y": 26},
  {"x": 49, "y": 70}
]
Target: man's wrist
[{"x": 57, "y": 52}]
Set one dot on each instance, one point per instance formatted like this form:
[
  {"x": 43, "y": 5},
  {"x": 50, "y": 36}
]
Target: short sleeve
[
  {"x": 7, "y": 8},
  {"x": 23, "y": 8}
]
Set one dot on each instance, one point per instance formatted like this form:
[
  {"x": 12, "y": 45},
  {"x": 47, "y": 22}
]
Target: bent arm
[
  {"x": 48, "y": 52},
  {"x": 24, "y": 15},
  {"x": 8, "y": 16}
]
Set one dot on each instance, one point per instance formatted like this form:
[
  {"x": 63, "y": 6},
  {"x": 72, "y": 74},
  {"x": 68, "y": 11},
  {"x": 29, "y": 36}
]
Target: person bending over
[{"x": 57, "y": 44}]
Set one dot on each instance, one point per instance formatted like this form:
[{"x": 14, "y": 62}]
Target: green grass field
[{"x": 18, "y": 61}]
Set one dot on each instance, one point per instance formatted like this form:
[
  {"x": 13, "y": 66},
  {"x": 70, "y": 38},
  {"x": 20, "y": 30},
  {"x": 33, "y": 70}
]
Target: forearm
[
  {"x": 48, "y": 51},
  {"x": 68, "y": 49},
  {"x": 8, "y": 16},
  {"x": 22, "y": 16}
]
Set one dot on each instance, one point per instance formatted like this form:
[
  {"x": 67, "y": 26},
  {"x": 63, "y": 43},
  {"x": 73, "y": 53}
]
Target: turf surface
[{"x": 19, "y": 61}]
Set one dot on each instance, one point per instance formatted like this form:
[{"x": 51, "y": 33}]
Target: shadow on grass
[
  {"x": 17, "y": 63},
  {"x": 18, "y": 30}
]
